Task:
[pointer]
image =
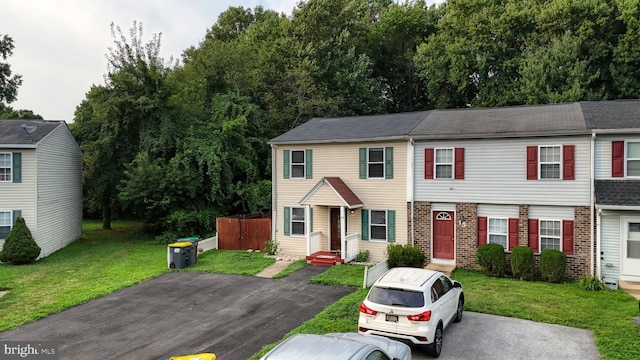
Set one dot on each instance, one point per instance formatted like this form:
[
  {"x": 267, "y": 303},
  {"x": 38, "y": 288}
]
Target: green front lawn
[
  {"x": 105, "y": 261},
  {"x": 609, "y": 314}
]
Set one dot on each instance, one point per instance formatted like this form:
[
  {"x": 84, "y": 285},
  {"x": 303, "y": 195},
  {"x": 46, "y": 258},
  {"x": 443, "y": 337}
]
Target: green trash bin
[
  {"x": 180, "y": 254},
  {"x": 193, "y": 252}
]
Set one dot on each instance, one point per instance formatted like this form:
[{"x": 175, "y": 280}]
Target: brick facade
[
  {"x": 422, "y": 227},
  {"x": 466, "y": 218},
  {"x": 466, "y": 235}
]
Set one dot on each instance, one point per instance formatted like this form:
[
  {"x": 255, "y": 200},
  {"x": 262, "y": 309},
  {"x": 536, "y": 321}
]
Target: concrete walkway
[{"x": 274, "y": 269}]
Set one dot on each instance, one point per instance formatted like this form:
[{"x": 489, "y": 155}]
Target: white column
[
  {"x": 343, "y": 231},
  {"x": 307, "y": 225}
]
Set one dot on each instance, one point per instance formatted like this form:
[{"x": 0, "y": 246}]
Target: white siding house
[
  {"x": 506, "y": 175},
  {"x": 41, "y": 181},
  {"x": 616, "y": 133}
]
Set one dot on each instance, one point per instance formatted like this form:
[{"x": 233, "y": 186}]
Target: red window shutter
[
  {"x": 567, "y": 237},
  {"x": 532, "y": 163},
  {"x": 459, "y": 159},
  {"x": 482, "y": 230},
  {"x": 428, "y": 163},
  {"x": 617, "y": 158},
  {"x": 513, "y": 233},
  {"x": 568, "y": 162},
  {"x": 533, "y": 235}
]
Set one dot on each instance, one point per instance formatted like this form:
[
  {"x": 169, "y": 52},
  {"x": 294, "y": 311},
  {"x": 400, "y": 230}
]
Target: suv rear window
[{"x": 396, "y": 297}]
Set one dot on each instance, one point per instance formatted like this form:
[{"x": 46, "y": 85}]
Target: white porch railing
[
  {"x": 351, "y": 247},
  {"x": 313, "y": 244}
]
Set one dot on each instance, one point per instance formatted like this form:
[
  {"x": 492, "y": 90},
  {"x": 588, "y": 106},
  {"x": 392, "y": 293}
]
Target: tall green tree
[
  {"x": 116, "y": 120},
  {"x": 8, "y": 84}
]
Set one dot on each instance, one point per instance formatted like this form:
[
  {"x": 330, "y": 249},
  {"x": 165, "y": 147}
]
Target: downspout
[
  {"x": 599, "y": 238},
  {"x": 410, "y": 185},
  {"x": 274, "y": 199},
  {"x": 592, "y": 206}
]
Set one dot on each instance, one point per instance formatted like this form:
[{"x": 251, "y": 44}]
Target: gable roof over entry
[{"x": 344, "y": 196}]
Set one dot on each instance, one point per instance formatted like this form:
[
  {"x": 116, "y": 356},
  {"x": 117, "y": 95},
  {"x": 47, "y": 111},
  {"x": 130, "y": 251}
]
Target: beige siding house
[
  {"x": 41, "y": 181},
  {"x": 343, "y": 185}
]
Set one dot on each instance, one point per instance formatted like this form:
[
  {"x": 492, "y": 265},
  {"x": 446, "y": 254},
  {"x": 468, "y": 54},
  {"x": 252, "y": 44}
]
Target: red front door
[{"x": 443, "y": 236}]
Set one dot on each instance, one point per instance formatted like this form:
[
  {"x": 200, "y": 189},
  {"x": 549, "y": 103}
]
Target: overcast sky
[{"x": 60, "y": 45}]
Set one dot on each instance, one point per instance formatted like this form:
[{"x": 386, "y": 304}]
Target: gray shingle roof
[
  {"x": 13, "y": 133},
  {"x": 618, "y": 114},
  {"x": 509, "y": 121},
  {"x": 353, "y": 128},
  {"x": 502, "y": 122},
  {"x": 617, "y": 192}
]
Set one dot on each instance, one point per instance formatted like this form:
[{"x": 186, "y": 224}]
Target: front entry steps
[
  {"x": 447, "y": 269},
  {"x": 630, "y": 287},
  {"x": 324, "y": 258}
]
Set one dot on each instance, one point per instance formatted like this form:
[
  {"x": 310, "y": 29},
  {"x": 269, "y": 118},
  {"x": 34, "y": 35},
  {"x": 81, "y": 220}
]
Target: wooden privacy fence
[{"x": 244, "y": 232}]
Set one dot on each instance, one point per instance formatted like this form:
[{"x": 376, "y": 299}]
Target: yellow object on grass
[{"x": 203, "y": 356}]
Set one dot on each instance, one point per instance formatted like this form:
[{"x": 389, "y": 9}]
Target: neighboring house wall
[
  {"x": 495, "y": 184},
  {"x": 340, "y": 160},
  {"x": 59, "y": 189},
  {"x": 617, "y": 206},
  {"x": 20, "y": 196},
  {"x": 48, "y": 194}
]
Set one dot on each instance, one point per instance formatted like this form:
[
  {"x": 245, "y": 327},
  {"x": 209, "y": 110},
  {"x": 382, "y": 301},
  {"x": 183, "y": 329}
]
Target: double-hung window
[
  {"x": 498, "y": 231},
  {"x": 444, "y": 163},
  {"x": 297, "y": 221},
  {"x": 297, "y": 164},
  {"x": 375, "y": 163},
  {"x": 378, "y": 225},
  {"x": 550, "y": 160},
  {"x": 550, "y": 235},
  {"x": 6, "y": 221},
  {"x": 5, "y": 167},
  {"x": 633, "y": 159}
]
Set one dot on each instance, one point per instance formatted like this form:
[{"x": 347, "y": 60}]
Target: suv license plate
[{"x": 392, "y": 318}]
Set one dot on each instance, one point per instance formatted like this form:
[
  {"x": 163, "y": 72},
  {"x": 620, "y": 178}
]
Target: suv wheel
[
  {"x": 435, "y": 347},
  {"x": 458, "y": 317}
]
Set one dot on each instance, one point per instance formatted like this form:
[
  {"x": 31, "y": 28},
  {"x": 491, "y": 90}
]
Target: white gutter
[
  {"x": 411, "y": 183},
  {"x": 598, "y": 248},
  {"x": 592, "y": 203},
  {"x": 274, "y": 202}
]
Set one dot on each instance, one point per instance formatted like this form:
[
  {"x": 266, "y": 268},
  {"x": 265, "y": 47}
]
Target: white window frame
[
  {"x": 505, "y": 234},
  {"x": 627, "y": 158},
  {"x": 542, "y": 163},
  {"x": 540, "y": 236},
  {"x": 297, "y": 221},
  {"x": 7, "y": 171},
  {"x": 385, "y": 225},
  {"x": 369, "y": 163},
  {"x": 437, "y": 163},
  {"x": 10, "y": 220},
  {"x": 303, "y": 164}
]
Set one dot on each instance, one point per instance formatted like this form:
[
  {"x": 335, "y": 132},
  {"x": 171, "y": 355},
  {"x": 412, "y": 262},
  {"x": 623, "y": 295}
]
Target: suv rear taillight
[
  {"x": 425, "y": 316},
  {"x": 364, "y": 309}
]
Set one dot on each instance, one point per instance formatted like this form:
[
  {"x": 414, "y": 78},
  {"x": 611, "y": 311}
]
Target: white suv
[{"x": 413, "y": 305}]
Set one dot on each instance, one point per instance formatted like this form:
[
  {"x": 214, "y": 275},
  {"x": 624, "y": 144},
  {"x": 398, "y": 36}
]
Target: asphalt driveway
[
  {"x": 490, "y": 337},
  {"x": 182, "y": 313}
]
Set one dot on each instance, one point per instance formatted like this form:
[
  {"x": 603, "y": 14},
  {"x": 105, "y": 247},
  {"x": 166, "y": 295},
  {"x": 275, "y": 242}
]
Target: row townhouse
[{"x": 562, "y": 176}]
